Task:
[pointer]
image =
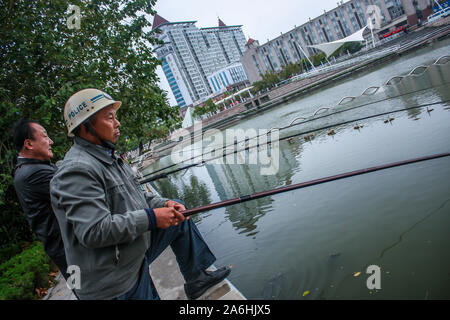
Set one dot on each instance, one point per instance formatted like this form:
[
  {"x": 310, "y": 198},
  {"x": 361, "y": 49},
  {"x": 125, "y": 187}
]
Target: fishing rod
[
  {"x": 165, "y": 174},
  {"x": 257, "y": 195},
  {"x": 292, "y": 125}
]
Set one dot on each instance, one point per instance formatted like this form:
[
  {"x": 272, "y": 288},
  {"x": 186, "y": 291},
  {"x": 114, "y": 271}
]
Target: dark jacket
[
  {"x": 32, "y": 183},
  {"x": 101, "y": 210}
]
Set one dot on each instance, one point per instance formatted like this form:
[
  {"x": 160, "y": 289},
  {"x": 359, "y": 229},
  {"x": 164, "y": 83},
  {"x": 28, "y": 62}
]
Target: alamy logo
[
  {"x": 373, "y": 16},
  {"x": 374, "y": 281},
  {"x": 236, "y": 146},
  {"x": 74, "y": 280},
  {"x": 74, "y": 20}
]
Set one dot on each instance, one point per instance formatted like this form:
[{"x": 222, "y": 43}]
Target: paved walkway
[
  {"x": 168, "y": 281},
  {"x": 60, "y": 291}
]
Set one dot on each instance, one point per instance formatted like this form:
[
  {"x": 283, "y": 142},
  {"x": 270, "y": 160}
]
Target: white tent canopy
[
  {"x": 330, "y": 47},
  {"x": 188, "y": 119}
]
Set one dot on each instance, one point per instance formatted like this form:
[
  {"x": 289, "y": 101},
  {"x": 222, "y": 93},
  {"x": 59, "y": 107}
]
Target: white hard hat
[{"x": 84, "y": 104}]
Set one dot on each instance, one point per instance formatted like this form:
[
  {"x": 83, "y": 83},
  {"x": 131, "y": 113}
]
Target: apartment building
[
  {"x": 189, "y": 55},
  {"x": 338, "y": 23}
]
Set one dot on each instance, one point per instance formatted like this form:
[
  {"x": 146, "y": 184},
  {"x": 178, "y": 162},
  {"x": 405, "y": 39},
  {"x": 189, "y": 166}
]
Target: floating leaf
[
  {"x": 357, "y": 274},
  {"x": 305, "y": 293}
]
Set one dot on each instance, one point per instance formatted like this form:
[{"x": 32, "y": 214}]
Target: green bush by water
[{"x": 22, "y": 274}]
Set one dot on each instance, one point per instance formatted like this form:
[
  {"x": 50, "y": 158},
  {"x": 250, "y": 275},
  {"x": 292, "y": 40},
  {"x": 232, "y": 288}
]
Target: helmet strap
[{"x": 105, "y": 143}]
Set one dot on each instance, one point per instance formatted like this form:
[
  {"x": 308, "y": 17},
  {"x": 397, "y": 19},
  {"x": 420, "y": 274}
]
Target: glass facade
[
  {"x": 199, "y": 53},
  {"x": 173, "y": 84},
  {"x": 227, "y": 76}
]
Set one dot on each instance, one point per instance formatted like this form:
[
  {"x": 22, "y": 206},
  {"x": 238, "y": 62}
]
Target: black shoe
[{"x": 204, "y": 281}]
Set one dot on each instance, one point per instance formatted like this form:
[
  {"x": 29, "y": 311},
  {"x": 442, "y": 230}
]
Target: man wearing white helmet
[{"x": 111, "y": 229}]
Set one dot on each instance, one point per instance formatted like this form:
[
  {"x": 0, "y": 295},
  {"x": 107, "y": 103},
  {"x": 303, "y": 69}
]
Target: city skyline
[{"x": 249, "y": 14}]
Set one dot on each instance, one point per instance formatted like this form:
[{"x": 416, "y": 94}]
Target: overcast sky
[{"x": 260, "y": 19}]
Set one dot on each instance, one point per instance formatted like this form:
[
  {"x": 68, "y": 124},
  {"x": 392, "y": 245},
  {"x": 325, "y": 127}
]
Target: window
[
  {"x": 294, "y": 53},
  {"x": 256, "y": 63}
]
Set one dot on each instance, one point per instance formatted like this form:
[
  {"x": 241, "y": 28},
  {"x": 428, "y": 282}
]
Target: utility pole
[{"x": 306, "y": 57}]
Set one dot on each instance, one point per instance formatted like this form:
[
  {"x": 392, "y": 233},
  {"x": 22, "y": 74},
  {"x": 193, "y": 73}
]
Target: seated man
[
  {"x": 32, "y": 183},
  {"x": 111, "y": 229}
]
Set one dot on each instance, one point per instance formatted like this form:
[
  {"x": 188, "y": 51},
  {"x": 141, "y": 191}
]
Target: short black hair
[{"x": 22, "y": 132}]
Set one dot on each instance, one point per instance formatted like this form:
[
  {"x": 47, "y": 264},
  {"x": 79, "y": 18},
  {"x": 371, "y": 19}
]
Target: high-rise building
[{"x": 189, "y": 55}]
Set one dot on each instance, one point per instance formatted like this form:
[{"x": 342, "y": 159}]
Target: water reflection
[
  {"x": 234, "y": 180},
  {"x": 193, "y": 192},
  {"x": 316, "y": 238},
  {"x": 435, "y": 78}
]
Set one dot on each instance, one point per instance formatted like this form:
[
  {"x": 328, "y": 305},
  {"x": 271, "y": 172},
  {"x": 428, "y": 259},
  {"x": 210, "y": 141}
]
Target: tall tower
[{"x": 189, "y": 55}]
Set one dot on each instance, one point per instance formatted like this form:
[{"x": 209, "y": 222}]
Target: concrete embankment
[{"x": 168, "y": 281}]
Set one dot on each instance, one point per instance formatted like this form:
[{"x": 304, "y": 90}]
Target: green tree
[
  {"x": 318, "y": 58},
  {"x": 208, "y": 107},
  {"x": 304, "y": 65},
  {"x": 269, "y": 79},
  {"x": 289, "y": 70},
  {"x": 44, "y": 60},
  {"x": 198, "y": 112}
]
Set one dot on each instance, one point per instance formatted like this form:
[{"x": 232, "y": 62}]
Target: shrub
[
  {"x": 22, "y": 274},
  {"x": 8, "y": 251},
  {"x": 14, "y": 228},
  {"x": 289, "y": 70}
]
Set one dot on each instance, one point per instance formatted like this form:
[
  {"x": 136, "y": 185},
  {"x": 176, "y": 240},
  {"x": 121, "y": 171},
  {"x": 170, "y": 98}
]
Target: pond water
[{"x": 310, "y": 243}]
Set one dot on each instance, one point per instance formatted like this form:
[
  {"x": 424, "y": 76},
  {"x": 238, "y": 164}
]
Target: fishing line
[
  {"x": 310, "y": 183},
  {"x": 164, "y": 175},
  {"x": 368, "y": 91},
  {"x": 292, "y": 124},
  {"x": 400, "y": 239}
]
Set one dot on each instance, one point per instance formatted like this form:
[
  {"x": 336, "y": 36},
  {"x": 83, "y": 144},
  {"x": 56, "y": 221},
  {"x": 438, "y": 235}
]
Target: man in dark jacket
[{"x": 32, "y": 183}]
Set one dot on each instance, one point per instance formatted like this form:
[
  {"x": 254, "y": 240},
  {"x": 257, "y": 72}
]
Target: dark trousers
[{"x": 191, "y": 251}]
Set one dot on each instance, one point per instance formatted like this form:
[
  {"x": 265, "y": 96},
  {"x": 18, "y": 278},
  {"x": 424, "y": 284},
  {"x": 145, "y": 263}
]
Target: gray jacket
[{"x": 100, "y": 209}]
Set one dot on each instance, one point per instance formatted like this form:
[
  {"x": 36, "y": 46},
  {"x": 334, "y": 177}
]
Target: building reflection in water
[
  {"x": 231, "y": 181},
  {"x": 435, "y": 77},
  {"x": 218, "y": 182},
  {"x": 194, "y": 193}
]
